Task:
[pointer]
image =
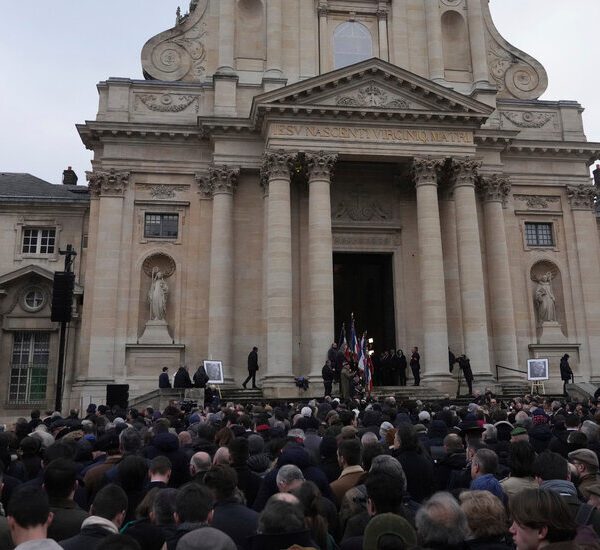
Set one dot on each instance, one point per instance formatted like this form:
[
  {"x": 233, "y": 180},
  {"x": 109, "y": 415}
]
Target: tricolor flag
[
  {"x": 362, "y": 352},
  {"x": 354, "y": 344},
  {"x": 342, "y": 342},
  {"x": 369, "y": 375}
]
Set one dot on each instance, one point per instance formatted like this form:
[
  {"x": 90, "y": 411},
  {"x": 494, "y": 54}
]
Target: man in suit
[{"x": 252, "y": 368}]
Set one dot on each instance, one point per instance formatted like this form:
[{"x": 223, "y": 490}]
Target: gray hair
[
  {"x": 368, "y": 438},
  {"x": 490, "y": 432},
  {"x": 591, "y": 430},
  {"x": 524, "y": 420},
  {"x": 441, "y": 521},
  {"x": 200, "y": 462},
  {"x": 289, "y": 473},
  {"x": 130, "y": 440}
]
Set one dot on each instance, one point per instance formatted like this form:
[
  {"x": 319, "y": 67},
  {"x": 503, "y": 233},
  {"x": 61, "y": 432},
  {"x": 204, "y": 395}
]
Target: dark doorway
[{"x": 363, "y": 285}]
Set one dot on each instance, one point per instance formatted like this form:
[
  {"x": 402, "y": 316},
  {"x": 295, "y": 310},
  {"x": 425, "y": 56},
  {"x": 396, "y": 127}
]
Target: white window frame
[
  {"x": 22, "y": 373},
  {"x": 40, "y": 224}
]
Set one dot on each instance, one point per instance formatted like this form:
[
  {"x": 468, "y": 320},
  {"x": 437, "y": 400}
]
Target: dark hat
[
  {"x": 91, "y": 408},
  {"x": 470, "y": 426},
  {"x": 586, "y": 456},
  {"x": 388, "y": 524}
]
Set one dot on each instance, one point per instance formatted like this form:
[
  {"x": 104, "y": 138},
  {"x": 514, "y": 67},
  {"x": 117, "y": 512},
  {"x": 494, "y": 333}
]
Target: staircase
[{"x": 240, "y": 395}]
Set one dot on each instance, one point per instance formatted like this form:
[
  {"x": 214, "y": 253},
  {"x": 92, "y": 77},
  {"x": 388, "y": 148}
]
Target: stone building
[
  {"x": 37, "y": 219},
  {"x": 288, "y": 162}
]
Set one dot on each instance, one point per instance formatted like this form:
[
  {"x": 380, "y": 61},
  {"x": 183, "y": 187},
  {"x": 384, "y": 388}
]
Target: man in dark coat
[
  {"x": 328, "y": 375},
  {"x": 415, "y": 365},
  {"x": 182, "y": 378},
  {"x": 200, "y": 377},
  {"x": 163, "y": 379},
  {"x": 566, "y": 374},
  {"x": 465, "y": 365},
  {"x": 252, "y": 368}
]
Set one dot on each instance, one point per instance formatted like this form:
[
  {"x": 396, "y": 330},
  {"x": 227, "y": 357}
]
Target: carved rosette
[
  {"x": 276, "y": 164},
  {"x": 582, "y": 197},
  {"x": 107, "y": 182},
  {"x": 320, "y": 165},
  {"x": 425, "y": 170},
  {"x": 464, "y": 172}
]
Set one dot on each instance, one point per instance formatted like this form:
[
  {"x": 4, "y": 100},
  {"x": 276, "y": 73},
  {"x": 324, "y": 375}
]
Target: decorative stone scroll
[
  {"x": 361, "y": 208},
  {"x": 528, "y": 119},
  {"x": 425, "y": 170},
  {"x": 179, "y": 53},
  {"x": 107, "y": 182},
  {"x": 320, "y": 165},
  {"x": 517, "y": 74},
  {"x": 464, "y": 172},
  {"x": 582, "y": 196},
  {"x": 494, "y": 188}
]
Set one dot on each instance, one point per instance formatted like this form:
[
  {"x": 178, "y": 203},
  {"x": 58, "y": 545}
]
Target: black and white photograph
[
  {"x": 214, "y": 370},
  {"x": 537, "y": 369}
]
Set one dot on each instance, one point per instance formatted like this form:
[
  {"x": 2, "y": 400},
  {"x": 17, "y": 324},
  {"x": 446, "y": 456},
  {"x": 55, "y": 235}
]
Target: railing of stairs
[{"x": 508, "y": 368}]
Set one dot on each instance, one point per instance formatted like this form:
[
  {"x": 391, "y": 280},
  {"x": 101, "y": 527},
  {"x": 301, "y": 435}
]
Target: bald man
[{"x": 200, "y": 463}]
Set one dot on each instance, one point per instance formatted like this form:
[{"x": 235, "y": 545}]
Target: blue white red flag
[
  {"x": 342, "y": 342},
  {"x": 362, "y": 352},
  {"x": 369, "y": 375}
]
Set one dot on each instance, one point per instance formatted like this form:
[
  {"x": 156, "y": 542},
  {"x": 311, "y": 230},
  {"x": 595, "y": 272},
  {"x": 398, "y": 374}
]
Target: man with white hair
[
  {"x": 441, "y": 523},
  {"x": 289, "y": 477},
  {"x": 200, "y": 463}
]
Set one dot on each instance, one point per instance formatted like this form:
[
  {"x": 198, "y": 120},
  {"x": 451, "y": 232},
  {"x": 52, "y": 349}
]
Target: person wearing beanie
[
  {"x": 389, "y": 528},
  {"x": 306, "y": 421},
  {"x": 586, "y": 464},
  {"x": 206, "y": 538}
]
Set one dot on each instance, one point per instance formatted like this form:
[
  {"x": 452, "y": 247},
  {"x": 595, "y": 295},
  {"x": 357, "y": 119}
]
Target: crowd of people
[{"x": 325, "y": 474}]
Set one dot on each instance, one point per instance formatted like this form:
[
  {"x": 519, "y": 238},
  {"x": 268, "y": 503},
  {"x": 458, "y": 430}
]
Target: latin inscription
[{"x": 398, "y": 135}]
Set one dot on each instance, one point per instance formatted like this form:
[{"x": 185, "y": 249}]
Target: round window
[{"x": 34, "y": 299}]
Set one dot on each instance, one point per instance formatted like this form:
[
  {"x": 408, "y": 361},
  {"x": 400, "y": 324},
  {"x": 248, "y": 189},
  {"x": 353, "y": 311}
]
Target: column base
[{"x": 442, "y": 382}]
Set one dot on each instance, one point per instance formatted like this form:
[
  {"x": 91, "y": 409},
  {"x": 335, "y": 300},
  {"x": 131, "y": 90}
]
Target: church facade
[{"x": 277, "y": 149}]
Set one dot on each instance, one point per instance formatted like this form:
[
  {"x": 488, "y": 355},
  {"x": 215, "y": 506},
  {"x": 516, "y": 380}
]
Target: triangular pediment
[
  {"x": 373, "y": 86},
  {"x": 28, "y": 271}
]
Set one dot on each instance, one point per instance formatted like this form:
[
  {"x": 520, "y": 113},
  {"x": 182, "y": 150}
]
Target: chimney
[{"x": 69, "y": 177}]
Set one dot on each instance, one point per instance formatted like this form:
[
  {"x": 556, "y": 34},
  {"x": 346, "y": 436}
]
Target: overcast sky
[{"x": 54, "y": 52}]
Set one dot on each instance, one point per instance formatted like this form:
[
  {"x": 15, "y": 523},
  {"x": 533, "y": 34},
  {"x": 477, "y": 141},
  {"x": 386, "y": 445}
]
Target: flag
[
  {"x": 362, "y": 352},
  {"x": 342, "y": 343},
  {"x": 354, "y": 344}
]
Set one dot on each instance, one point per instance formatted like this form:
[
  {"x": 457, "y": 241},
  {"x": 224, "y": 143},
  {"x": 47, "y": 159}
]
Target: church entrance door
[{"x": 364, "y": 285}]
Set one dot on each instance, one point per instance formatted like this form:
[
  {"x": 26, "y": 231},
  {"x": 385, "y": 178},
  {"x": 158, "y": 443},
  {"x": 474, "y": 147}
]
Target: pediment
[
  {"x": 27, "y": 271},
  {"x": 372, "y": 86}
]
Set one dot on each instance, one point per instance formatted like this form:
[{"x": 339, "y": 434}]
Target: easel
[{"x": 537, "y": 387}]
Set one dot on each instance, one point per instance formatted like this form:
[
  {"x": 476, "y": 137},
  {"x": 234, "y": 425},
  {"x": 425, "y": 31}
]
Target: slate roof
[{"x": 19, "y": 187}]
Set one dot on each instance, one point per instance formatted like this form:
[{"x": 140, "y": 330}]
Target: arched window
[{"x": 352, "y": 42}]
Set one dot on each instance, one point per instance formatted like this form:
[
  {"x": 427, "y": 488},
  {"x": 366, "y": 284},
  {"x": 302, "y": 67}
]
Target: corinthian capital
[
  {"x": 277, "y": 164},
  {"x": 107, "y": 182},
  {"x": 464, "y": 171},
  {"x": 494, "y": 187},
  {"x": 223, "y": 179},
  {"x": 425, "y": 170},
  {"x": 582, "y": 196},
  {"x": 321, "y": 164}
]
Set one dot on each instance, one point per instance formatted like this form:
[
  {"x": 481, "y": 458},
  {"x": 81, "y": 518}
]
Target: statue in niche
[
  {"x": 157, "y": 296},
  {"x": 544, "y": 300}
]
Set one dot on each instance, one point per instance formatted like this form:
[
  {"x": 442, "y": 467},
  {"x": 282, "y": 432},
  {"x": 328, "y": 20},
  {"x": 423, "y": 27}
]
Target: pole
[{"x": 69, "y": 255}]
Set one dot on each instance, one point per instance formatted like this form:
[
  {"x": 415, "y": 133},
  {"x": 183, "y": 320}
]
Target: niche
[
  {"x": 547, "y": 296},
  {"x": 457, "y": 50}
]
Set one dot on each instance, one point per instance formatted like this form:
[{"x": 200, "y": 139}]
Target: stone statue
[
  {"x": 157, "y": 296},
  {"x": 545, "y": 302}
]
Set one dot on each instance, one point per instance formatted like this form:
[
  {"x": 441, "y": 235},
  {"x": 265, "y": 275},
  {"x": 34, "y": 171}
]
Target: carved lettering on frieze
[
  {"x": 350, "y": 239},
  {"x": 582, "y": 196},
  {"x": 372, "y": 96},
  {"x": 167, "y": 103},
  {"x": 537, "y": 201},
  {"x": 529, "y": 119}
]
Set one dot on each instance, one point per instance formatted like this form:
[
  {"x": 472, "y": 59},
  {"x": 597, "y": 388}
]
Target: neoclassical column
[
  {"x": 320, "y": 257},
  {"x": 274, "y": 38},
  {"x": 226, "y": 35},
  {"x": 581, "y": 198},
  {"x": 382, "y": 20},
  {"x": 494, "y": 190},
  {"x": 109, "y": 187},
  {"x": 477, "y": 41},
  {"x": 276, "y": 170},
  {"x": 434, "y": 40},
  {"x": 220, "y": 185},
  {"x": 470, "y": 265},
  {"x": 324, "y": 48},
  {"x": 431, "y": 266}
]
